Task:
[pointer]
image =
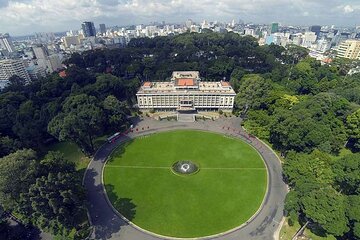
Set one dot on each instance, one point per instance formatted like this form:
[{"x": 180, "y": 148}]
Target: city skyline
[{"x": 22, "y": 17}]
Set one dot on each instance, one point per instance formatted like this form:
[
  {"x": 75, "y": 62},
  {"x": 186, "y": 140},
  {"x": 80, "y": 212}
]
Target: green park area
[
  {"x": 227, "y": 190},
  {"x": 288, "y": 232},
  {"x": 72, "y": 153}
]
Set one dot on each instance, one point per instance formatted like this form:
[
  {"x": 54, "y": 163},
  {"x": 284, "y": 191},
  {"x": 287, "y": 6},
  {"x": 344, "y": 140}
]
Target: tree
[
  {"x": 258, "y": 123},
  {"x": 3, "y": 220},
  {"x": 9, "y": 104},
  {"x": 7, "y": 145},
  {"x": 347, "y": 171},
  {"x": 80, "y": 121},
  {"x": 16, "y": 83},
  {"x": 357, "y": 230},
  {"x": 353, "y": 210},
  {"x": 353, "y": 127},
  {"x": 106, "y": 84},
  {"x": 54, "y": 162},
  {"x": 295, "y": 53},
  {"x": 115, "y": 112},
  {"x": 54, "y": 201},
  {"x": 315, "y": 122},
  {"x": 326, "y": 207},
  {"x": 17, "y": 173},
  {"x": 292, "y": 205},
  {"x": 253, "y": 92},
  {"x": 76, "y": 59},
  {"x": 235, "y": 78},
  {"x": 56, "y": 197},
  {"x": 28, "y": 126},
  {"x": 353, "y": 214},
  {"x": 314, "y": 167}
]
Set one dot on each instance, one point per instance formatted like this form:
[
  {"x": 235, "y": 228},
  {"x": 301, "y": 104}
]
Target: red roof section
[
  {"x": 327, "y": 60},
  {"x": 108, "y": 70},
  {"x": 225, "y": 84},
  {"x": 185, "y": 82},
  {"x": 147, "y": 84},
  {"x": 62, "y": 74}
]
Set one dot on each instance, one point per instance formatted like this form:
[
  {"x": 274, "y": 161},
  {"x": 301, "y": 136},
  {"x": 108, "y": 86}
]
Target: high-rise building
[
  {"x": 54, "y": 62},
  {"x": 10, "y": 67},
  {"x": 36, "y": 72},
  {"x": 102, "y": 28},
  {"x": 316, "y": 29},
  {"x": 309, "y": 38},
  {"x": 188, "y": 23},
  {"x": 6, "y": 43},
  {"x": 349, "y": 49},
  {"x": 71, "y": 40},
  {"x": 274, "y": 27},
  {"x": 40, "y": 52},
  {"x": 44, "y": 37},
  {"x": 323, "y": 45},
  {"x": 88, "y": 29}
]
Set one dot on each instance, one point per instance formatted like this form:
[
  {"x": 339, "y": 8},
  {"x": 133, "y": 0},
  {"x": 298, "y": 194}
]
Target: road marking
[
  {"x": 145, "y": 167},
  {"x": 206, "y": 168},
  {"x": 276, "y": 221},
  {"x": 243, "y": 168}
]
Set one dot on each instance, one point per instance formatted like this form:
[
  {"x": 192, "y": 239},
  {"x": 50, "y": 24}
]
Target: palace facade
[{"x": 186, "y": 92}]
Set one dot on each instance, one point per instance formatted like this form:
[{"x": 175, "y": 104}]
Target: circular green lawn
[{"x": 226, "y": 191}]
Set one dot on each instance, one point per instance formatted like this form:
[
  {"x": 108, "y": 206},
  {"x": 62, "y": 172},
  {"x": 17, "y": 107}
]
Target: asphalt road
[{"x": 109, "y": 225}]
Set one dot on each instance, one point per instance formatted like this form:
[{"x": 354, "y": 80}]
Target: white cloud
[
  {"x": 28, "y": 16},
  {"x": 348, "y": 9}
]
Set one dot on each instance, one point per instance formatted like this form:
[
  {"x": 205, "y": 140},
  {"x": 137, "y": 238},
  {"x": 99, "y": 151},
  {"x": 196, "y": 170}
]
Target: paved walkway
[{"x": 108, "y": 225}]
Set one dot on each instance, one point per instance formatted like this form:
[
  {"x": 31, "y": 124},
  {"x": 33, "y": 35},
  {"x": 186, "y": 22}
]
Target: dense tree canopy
[
  {"x": 22, "y": 165},
  {"x": 326, "y": 207},
  {"x": 353, "y": 125},
  {"x": 46, "y": 192},
  {"x": 80, "y": 120},
  {"x": 253, "y": 92},
  {"x": 305, "y": 109},
  {"x": 324, "y": 191},
  {"x": 348, "y": 174}
]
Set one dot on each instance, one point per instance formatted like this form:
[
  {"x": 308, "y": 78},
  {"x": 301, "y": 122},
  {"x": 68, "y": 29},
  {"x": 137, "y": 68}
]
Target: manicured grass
[
  {"x": 72, "y": 153},
  {"x": 288, "y": 232},
  {"x": 225, "y": 193}
]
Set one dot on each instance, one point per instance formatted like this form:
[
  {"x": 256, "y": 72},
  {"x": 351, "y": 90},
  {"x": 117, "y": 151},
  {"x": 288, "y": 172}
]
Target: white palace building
[{"x": 186, "y": 92}]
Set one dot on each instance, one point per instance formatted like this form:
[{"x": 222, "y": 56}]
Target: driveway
[{"x": 109, "y": 225}]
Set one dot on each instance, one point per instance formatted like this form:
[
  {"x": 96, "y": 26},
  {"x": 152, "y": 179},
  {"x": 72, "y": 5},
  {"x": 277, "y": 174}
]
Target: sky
[{"x": 21, "y": 17}]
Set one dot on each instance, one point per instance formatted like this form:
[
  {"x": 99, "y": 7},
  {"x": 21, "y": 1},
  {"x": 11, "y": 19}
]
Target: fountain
[{"x": 185, "y": 168}]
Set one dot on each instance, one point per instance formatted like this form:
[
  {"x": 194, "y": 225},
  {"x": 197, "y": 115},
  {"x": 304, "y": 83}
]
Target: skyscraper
[
  {"x": 188, "y": 23},
  {"x": 349, "y": 49},
  {"x": 41, "y": 54},
  {"x": 71, "y": 40},
  {"x": 6, "y": 43},
  {"x": 54, "y": 62},
  {"x": 274, "y": 27},
  {"x": 102, "y": 28},
  {"x": 10, "y": 67},
  {"x": 88, "y": 29},
  {"x": 316, "y": 29}
]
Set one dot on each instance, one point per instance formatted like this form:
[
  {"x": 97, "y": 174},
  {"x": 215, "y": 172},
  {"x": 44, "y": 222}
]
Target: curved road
[{"x": 108, "y": 225}]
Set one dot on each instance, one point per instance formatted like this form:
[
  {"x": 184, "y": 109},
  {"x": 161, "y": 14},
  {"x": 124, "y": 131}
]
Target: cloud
[
  {"x": 28, "y": 16},
  {"x": 348, "y": 9}
]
